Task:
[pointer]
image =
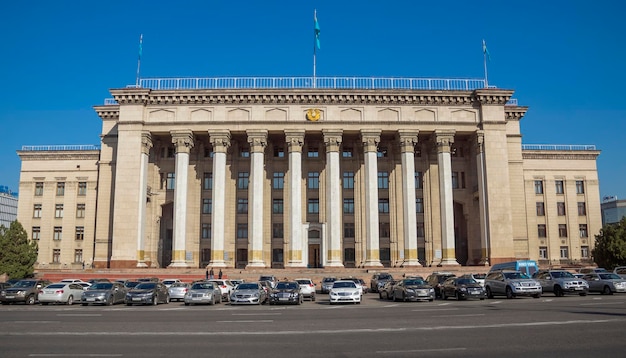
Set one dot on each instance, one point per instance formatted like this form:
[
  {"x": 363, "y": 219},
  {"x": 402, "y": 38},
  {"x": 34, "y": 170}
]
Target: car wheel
[
  {"x": 430, "y": 300},
  {"x": 489, "y": 294},
  {"x": 443, "y": 295},
  {"x": 583, "y": 293},
  {"x": 380, "y": 295},
  {"x": 558, "y": 292},
  {"x": 186, "y": 303},
  {"x": 128, "y": 304},
  {"x": 537, "y": 295},
  {"x": 395, "y": 298},
  {"x": 457, "y": 296},
  {"x": 155, "y": 300},
  {"x": 110, "y": 301},
  {"x": 70, "y": 300},
  {"x": 607, "y": 290},
  {"x": 30, "y": 300},
  {"x": 509, "y": 293},
  {"x": 313, "y": 298}
]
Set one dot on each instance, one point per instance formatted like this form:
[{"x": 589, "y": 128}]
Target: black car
[
  {"x": 436, "y": 279},
  {"x": 462, "y": 288},
  {"x": 286, "y": 292},
  {"x": 148, "y": 293}
]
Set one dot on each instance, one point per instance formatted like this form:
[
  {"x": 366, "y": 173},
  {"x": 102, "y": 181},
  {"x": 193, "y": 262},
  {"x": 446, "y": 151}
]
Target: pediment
[
  {"x": 463, "y": 115},
  {"x": 201, "y": 115},
  {"x": 238, "y": 115},
  {"x": 388, "y": 115},
  {"x": 161, "y": 115}
]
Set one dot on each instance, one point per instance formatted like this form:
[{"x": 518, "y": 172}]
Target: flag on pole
[
  {"x": 140, "y": 45},
  {"x": 316, "y": 26},
  {"x": 486, "y": 51}
]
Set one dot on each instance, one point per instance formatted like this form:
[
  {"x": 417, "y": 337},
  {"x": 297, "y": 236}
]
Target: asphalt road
[{"x": 569, "y": 326}]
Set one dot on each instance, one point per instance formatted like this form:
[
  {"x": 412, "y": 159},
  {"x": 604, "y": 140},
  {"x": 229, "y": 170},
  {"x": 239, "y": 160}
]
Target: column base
[
  {"x": 256, "y": 264},
  {"x": 217, "y": 263},
  {"x": 334, "y": 264},
  {"x": 411, "y": 263},
  {"x": 449, "y": 262},
  {"x": 372, "y": 264},
  {"x": 141, "y": 264},
  {"x": 178, "y": 264},
  {"x": 484, "y": 261}
]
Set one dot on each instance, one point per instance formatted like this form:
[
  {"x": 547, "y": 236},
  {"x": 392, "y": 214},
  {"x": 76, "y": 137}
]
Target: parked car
[
  {"x": 288, "y": 292},
  {"x": 105, "y": 293},
  {"x": 71, "y": 280},
  {"x": 462, "y": 288},
  {"x": 178, "y": 290},
  {"x": 307, "y": 287},
  {"x": 148, "y": 279},
  {"x": 478, "y": 277},
  {"x": 129, "y": 285},
  {"x": 170, "y": 281},
  {"x": 378, "y": 280},
  {"x": 237, "y": 281},
  {"x": 248, "y": 293},
  {"x": 386, "y": 291},
  {"x": 605, "y": 282},
  {"x": 511, "y": 284},
  {"x": 561, "y": 282},
  {"x": 411, "y": 289},
  {"x": 344, "y": 291},
  {"x": 203, "y": 292},
  {"x": 25, "y": 291},
  {"x": 225, "y": 286},
  {"x": 586, "y": 270},
  {"x": 93, "y": 280},
  {"x": 270, "y": 278},
  {"x": 621, "y": 271},
  {"x": 147, "y": 293},
  {"x": 60, "y": 292},
  {"x": 327, "y": 284},
  {"x": 267, "y": 286},
  {"x": 436, "y": 280},
  {"x": 358, "y": 282}
]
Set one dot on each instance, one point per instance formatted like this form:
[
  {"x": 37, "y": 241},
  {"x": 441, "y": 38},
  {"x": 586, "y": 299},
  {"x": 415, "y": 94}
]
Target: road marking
[
  {"x": 463, "y": 315},
  {"x": 79, "y": 314},
  {"x": 435, "y": 310},
  {"x": 256, "y": 314},
  {"x": 32, "y": 322},
  {"x": 74, "y": 355},
  {"x": 443, "y": 304},
  {"x": 423, "y": 350},
  {"x": 249, "y": 321},
  {"x": 598, "y": 304},
  {"x": 396, "y": 305}
]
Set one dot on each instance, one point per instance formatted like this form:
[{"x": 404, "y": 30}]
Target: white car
[
  {"x": 345, "y": 291},
  {"x": 60, "y": 292},
  {"x": 225, "y": 286},
  {"x": 170, "y": 281},
  {"x": 307, "y": 288}
]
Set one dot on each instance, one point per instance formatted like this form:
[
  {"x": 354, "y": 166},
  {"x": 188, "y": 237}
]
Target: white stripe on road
[
  {"x": 423, "y": 350},
  {"x": 248, "y": 321},
  {"x": 79, "y": 314},
  {"x": 74, "y": 355},
  {"x": 463, "y": 315},
  {"x": 435, "y": 310},
  {"x": 604, "y": 303},
  {"x": 257, "y": 314}
]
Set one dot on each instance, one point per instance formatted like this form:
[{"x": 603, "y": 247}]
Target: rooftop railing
[
  {"x": 36, "y": 148},
  {"x": 561, "y": 147}
]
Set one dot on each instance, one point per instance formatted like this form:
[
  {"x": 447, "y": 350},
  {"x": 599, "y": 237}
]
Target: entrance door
[{"x": 314, "y": 256}]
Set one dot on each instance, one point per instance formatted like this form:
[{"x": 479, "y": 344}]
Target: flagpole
[
  {"x": 314, "y": 46},
  {"x": 485, "y": 63},
  {"x": 139, "y": 60}
]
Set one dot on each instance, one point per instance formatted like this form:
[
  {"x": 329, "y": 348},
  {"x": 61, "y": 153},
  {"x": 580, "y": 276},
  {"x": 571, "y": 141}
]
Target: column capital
[
  {"x": 408, "y": 140},
  {"x": 370, "y": 139},
  {"x": 146, "y": 142},
  {"x": 332, "y": 139},
  {"x": 294, "y": 139},
  {"x": 257, "y": 139},
  {"x": 444, "y": 140},
  {"x": 182, "y": 140},
  {"x": 480, "y": 141},
  {"x": 220, "y": 140}
]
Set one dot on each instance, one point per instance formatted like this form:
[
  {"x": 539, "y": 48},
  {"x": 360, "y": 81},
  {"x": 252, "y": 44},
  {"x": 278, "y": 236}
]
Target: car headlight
[
  {"x": 431, "y": 289},
  {"x": 517, "y": 284},
  {"x": 410, "y": 290},
  {"x": 463, "y": 289}
]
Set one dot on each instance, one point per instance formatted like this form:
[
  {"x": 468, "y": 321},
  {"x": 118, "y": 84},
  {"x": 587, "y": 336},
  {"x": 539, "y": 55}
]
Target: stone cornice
[
  {"x": 514, "y": 112},
  {"x": 563, "y": 155},
  {"x": 492, "y": 96},
  {"x": 131, "y": 95},
  {"x": 108, "y": 112},
  {"x": 59, "y": 155}
]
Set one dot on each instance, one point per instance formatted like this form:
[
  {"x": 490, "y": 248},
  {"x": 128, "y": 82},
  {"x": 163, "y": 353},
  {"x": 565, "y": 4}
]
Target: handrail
[
  {"x": 561, "y": 147},
  {"x": 37, "y": 148}
]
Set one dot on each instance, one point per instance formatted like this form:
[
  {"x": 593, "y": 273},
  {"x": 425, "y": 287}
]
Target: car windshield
[
  {"x": 465, "y": 281},
  {"x": 344, "y": 284},
  {"x": 287, "y": 285},
  {"x": 179, "y": 284},
  {"x": 384, "y": 277},
  {"x": 562, "y": 274},
  {"x": 56, "y": 285},
  {"x": 514, "y": 275},
  {"x": 329, "y": 279},
  {"x": 24, "y": 284},
  {"x": 101, "y": 286},
  {"x": 131, "y": 284},
  {"x": 248, "y": 286},
  {"x": 266, "y": 278},
  {"x": 479, "y": 276},
  {"x": 414, "y": 282},
  {"x": 304, "y": 282},
  {"x": 609, "y": 276},
  {"x": 146, "y": 286},
  {"x": 202, "y": 286}
]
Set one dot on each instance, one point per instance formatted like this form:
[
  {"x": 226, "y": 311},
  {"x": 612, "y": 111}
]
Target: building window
[
  {"x": 278, "y": 206},
  {"x": 277, "y": 255},
  {"x": 206, "y": 231},
  {"x": 37, "y": 211},
  {"x": 60, "y": 188},
  {"x": 541, "y": 210},
  {"x": 208, "y": 152},
  {"x": 313, "y": 152},
  {"x": 80, "y": 210},
  {"x": 562, "y": 230},
  {"x": 313, "y": 206},
  {"x": 313, "y": 180},
  {"x": 170, "y": 181},
  {"x": 348, "y": 205},
  {"x": 582, "y": 209},
  {"x": 244, "y": 151},
  {"x": 419, "y": 205},
  {"x": 207, "y": 206},
  {"x": 560, "y": 208},
  {"x": 58, "y": 233},
  {"x": 277, "y": 231},
  {"x": 347, "y": 152},
  {"x": 383, "y": 180},
  {"x": 168, "y": 152},
  {"x": 80, "y": 233},
  {"x": 458, "y": 180},
  {"x": 279, "y": 152},
  {"x": 382, "y": 152},
  {"x": 39, "y": 188},
  {"x": 538, "y": 187},
  {"x": 242, "y": 231},
  {"x": 207, "y": 181},
  {"x": 349, "y": 254},
  {"x": 419, "y": 180},
  {"x": 58, "y": 210},
  {"x": 584, "y": 252},
  {"x": 383, "y": 206},
  {"x": 348, "y": 180},
  {"x": 206, "y": 255},
  {"x": 420, "y": 229},
  {"x": 457, "y": 152},
  {"x": 348, "y": 230},
  {"x": 56, "y": 256},
  {"x": 242, "y": 206},
  {"x": 543, "y": 252},
  {"x": 564, "y": 252},
  {"x": 582, "y": 228},
  {"x": 82, "y": 188},
  {"x": 243, "y": 179},
  {"x": 278, "y": 182},
  {"x": 580, "y": 187},
  {"x": 384, "y": 229},
  {"x": 541, "y": 230},
  {"x": 385, "y": 254},
  {"x": 559, "y": 186},
  {"x": 36, "y": 233}
]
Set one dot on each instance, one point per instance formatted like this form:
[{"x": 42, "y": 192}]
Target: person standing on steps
[
  {"x": 220, "y": 274},
  {"x": 211, "y": 274}
]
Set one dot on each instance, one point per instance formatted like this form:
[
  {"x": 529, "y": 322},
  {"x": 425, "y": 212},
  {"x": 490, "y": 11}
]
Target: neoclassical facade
[{"x": 315, "y": 177}]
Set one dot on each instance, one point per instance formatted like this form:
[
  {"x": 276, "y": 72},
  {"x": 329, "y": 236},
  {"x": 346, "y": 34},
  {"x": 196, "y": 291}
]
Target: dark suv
[
  {"x": 436, "y": 280},
  {"x": 25, "y": 291}
]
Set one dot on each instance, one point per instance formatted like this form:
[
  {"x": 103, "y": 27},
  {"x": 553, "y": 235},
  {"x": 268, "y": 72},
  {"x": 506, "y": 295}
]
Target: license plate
[
  {"x": 578, "y": 288},
  {"x": 196, "y": 298},
  {"x": 283, "y": 299},
  {"x": 91, "y": 299},
  {"x": 10, "y": 296},
  {"x": 136, "y": 299},
  {"x": 474, "y": 293}
]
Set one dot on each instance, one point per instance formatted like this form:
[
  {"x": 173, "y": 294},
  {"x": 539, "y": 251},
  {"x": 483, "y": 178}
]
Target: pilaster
[
  {"x": 332, "y": 140},
  {"x": 370, "y": 139},
  {"x": 183, "y": 142},
  {"x": 408, "y": 139},
  {"x": 258, "y": 141},
  {"x": 220, "y": 140}
]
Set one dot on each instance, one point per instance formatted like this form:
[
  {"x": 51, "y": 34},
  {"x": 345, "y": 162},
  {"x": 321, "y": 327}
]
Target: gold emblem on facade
[{"x": 313, "y": 114}]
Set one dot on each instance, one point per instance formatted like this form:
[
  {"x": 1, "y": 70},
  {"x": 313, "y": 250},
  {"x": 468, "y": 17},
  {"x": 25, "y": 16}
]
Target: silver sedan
[
  {"x": 203, "y": 293},
  {"x": 62, "y": 292},
  {"x": 250, "y": 293},
  {"x": 178, "y": 291},
  {"x": 605, "y": 282}
]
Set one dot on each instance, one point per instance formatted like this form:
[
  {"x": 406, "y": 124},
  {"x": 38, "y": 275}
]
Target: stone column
[
  {"x": 332, "y": 139},
  {"x": 370, "y": 139},
  {"x": 482, "y": 196},
  {"x": 295, "y": 141},
  {"x": 258, "y": 142},
  {"x": 220, "y": 140},
  {"x": 444, "y": 140},
  {"x": 146, "y": 144},
  {"x": 183, "y": 142},
  {"x": 408, "y": 140}
]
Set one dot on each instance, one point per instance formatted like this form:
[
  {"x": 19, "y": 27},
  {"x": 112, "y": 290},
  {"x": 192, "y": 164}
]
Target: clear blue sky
[{"x": 565, "y": 59}]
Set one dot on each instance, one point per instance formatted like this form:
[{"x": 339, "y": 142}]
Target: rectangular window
[
  {"x": 278, "y": 206},
  {"x": 313, "y": 206},
  {"x": 80, "y": 210},
  {"x": 383, "y": 180},
  {"x": 313, "y": 152},
  {"x": 58, "y": 233},
  {"x": 207, "y": 206},
  {"x": 206, "y": 255},
  {"x": 171, "y": 152},
  {"x": 347, "y": 152},
  {"x": 458, "y": 180},
  {"x": 420, "y": 229},
  {"x": 56, "y": 256},
  {"x": 60, "y": 188},
  {"x": 560, "y": 208},
  {"x": 208, "y": 152},
  {"x": 206, "y": 231},
  {"x": 348, "y": 205},
  {"x": 242, "y": 206},
  {"x": 564, "y": 252},
  {"x": 277, "y": 231},
  {"x": 313, "y": 180},
  {"x": 584, "y": 252},
  {"x": 538, "y": 187},
  {"x": 348, "y": 180},
  {"x": 279, "y": 152},
  {"x": 384, "y": 229},
  {"x": 348, "y": 230},
  {"x": 383, "y": 206},
  {"x": 541, "y": 230},
  {"x": 419, "y": 180},
  {"x": 207, "y": 181},
  {"x": 58, "y": 210},
  {"x": 243, "y": 179},
  {"x": 582, "y": 228},
  {"x": 277, "y": 255},
  {"x": 541, "y": 210},
  {"x": 278, "y": 181},
  {"x": 170, "y": 182},
  {"x": 382, "y": 152},
  {"x": 543, "y": 252},
  {"x": 36, "y": 233},
  {"x": 39, "y": 188},
  {"x": 349, "y": 254},
  {"x": 37, "y": 210},
  {"x": 82, "y": 188},
  {"x": 242, "y": 231},
  {"x": 80, "y": 233},
  {"x": 580, "y": 187},
  {"x": 419, "y": 205},
  {"x": 385, "y": 254},
  {"x": 582, "y": 209},
  {"x": 244, "y": 152},
  {"x": 457, "y": 152},
  {"x": 562, "y": 230},
  {"x": 558, "y": 184}
]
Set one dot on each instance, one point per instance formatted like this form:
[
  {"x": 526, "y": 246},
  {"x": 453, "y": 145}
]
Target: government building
[{"x": 309, "y": 172}]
